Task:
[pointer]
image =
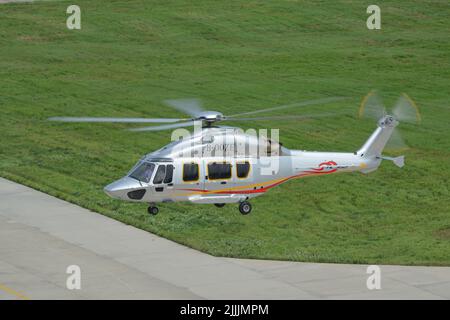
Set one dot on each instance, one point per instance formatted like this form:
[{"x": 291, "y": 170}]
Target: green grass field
[{"x": 237, "y": 56}]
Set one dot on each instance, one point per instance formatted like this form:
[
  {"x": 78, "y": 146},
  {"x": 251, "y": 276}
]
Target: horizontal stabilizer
[{"x": 398, "y": 161}]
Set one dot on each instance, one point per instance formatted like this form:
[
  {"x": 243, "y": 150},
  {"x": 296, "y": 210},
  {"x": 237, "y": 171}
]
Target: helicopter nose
[{"x": 118, "y": 189}]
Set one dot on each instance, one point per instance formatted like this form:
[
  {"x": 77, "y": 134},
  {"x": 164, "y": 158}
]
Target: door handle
[{"x": 223, "y": 182}]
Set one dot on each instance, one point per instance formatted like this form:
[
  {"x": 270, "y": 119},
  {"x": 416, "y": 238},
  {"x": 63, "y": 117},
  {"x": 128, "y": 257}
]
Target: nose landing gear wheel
[
  {"x": 245, "y": 207},
  {"x": 219, "y": 205},
  {"x": 153, "y": 210}
]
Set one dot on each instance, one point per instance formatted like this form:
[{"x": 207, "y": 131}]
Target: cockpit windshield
[{"x": 143, "y": 172}]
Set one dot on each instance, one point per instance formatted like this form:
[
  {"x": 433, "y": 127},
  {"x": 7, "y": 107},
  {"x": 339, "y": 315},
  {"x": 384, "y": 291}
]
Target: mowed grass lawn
[{"x": 237, "y": 56}]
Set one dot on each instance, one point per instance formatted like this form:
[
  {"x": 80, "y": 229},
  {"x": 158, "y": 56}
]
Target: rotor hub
[
  {"x": 210, "y": 116},
  {"x": 388, "y": 121}
]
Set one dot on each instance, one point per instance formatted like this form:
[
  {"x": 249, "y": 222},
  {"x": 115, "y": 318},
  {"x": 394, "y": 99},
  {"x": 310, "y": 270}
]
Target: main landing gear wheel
[
  {"x": 153, "y": 210},
  {"x": 245, "y": 207},
  {"x": 219, "y": 205}
]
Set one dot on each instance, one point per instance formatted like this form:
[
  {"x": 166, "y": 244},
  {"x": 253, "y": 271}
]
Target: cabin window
[
  {"x": 190, "y": 172},
  {"x": 242, "y": 169},
  {"x": 219, "y": 170},
  {"x": 169, "y": 174},
  {"x": 143, "y": 172},
  {"x": 160, "y": 174}
]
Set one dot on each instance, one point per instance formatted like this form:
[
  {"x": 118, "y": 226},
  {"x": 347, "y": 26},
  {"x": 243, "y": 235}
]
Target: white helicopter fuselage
[{"x": 172, "y": 174}]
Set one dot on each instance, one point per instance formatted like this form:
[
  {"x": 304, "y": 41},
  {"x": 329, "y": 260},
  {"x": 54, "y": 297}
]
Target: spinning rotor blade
[
  {"x": 298, "y": 104},
  {"x": 396, "y": 142},
  {"x": 192, "y": 107},
  {"x": 372, "y": 106},
  {"x": 293, "y": 117},
  {"x": 167, "y": 126},
  {"x": 114, "y": 120},
  {"x": 406, "y": 110}
]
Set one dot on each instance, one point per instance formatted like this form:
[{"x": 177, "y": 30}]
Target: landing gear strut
[
  {"x": 245, "y": 207},
  {"x": 153, "y": 210}
]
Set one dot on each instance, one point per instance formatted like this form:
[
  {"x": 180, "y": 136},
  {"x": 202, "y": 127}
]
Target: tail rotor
[{"x": 404, "y": 110}]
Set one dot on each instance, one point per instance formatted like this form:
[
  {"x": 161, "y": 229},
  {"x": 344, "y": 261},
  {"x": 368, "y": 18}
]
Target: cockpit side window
[
  {"x": 169, "y": 174},
  {"x": 143, "y": 172},
  {"x": 160, "y": 174}
]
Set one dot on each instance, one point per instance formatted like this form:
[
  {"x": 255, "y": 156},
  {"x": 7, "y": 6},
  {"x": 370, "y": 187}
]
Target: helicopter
[{"x": 221, "y": 165}]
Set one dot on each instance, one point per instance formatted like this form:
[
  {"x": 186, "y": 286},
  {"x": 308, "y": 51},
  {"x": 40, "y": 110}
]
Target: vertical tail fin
[{"x": 377, "y": 141}]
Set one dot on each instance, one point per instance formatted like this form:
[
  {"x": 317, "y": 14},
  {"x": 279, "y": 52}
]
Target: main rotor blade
[
  {"x": 406, "y": 110},
  {"x": 192, "y": 107},
  {"x": 372, "y": 106},
  {"x": 114, "y": 120},
  {"x": 293, "y": 117},
  {"x": 298, "y": 104},
  {"x": 165, "y": 127}
]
